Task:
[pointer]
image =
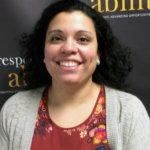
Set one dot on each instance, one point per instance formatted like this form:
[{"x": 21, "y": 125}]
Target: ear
[
  {"x": 44, "y": 60},
  {"x": 98, "y": 58},
  {"x": 98, "y": 62}
]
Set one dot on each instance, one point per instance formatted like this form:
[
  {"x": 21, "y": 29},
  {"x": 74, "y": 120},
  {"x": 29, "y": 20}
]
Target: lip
[{"x": 64, "y": 68}]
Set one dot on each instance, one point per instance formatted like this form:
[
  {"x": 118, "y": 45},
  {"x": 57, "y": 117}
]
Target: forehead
[{"x": 75, "y": 19}]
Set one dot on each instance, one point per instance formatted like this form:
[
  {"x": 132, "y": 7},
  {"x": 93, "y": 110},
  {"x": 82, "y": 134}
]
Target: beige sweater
[{"x": 128, "y": 124}]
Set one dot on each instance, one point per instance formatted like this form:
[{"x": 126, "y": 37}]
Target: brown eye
[
  {"x": 83, "y": 39},
  {"x": 55, "y": 38}
]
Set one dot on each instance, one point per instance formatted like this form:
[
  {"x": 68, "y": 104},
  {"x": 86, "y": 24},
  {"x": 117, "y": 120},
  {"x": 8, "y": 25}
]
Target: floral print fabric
[{"x": 90, "y": 135}]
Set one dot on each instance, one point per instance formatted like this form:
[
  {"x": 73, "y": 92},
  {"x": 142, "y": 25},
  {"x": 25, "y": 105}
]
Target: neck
[{"x": 64, "y": 95}]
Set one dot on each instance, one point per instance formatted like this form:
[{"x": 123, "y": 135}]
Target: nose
[{"x": 69, "y": 47}]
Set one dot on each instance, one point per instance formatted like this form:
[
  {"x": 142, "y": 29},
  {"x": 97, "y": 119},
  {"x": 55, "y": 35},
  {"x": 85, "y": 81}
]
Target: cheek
[
  {"x": 49, "y": 51},
  {"x": 46, "y": 51},
  {"x": 90, "y": 53},
  {"x": 49, "y": 54}
]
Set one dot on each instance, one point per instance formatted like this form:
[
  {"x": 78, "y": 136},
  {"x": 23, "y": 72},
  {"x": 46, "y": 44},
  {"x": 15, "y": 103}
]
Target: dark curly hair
[{"x": 115, "y": 60}]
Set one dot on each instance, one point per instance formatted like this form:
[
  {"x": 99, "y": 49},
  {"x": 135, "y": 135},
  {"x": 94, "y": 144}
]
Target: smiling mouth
[{"x": 68, "y": 63}]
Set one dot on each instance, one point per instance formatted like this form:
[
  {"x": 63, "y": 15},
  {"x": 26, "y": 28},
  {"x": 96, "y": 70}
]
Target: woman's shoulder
[
  {"x": 24, "y": 96},
  {"x": 125, "y": 105},
  {"x": 22, "y": 99},
  {"x": 126, "y": 116},
  {"x": 18, "y": 115},
  {"x": 121, "y": 97}
]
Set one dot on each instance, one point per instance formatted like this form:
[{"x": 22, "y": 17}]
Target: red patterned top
[{"x": 90, "y": 135}]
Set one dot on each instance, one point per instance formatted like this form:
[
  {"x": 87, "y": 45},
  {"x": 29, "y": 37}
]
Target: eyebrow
[
  {"x": 60, "y": 31},
  {"x": 85, "y": 31},
  {"x": 54, "y": 31}
]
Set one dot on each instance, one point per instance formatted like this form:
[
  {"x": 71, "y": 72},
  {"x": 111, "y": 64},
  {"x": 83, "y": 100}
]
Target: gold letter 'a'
[
  {"x": 15, "y": 81},
  {"x": 115, "y": 6},
  {"x": 99, "y": 8}
]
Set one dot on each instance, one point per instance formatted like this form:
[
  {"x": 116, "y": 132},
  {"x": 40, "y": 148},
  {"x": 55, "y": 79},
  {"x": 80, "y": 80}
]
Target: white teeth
[{"x": 68, "y": 64}]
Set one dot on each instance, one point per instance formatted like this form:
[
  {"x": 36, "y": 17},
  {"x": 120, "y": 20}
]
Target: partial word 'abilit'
[{"x": 119, "y": 5}]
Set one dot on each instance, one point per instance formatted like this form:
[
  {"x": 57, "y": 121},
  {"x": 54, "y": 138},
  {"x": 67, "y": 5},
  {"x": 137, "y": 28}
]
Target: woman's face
[{"x": 71, "y": 48}]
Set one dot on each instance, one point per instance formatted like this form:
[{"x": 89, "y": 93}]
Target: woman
[{"x": 75, "y": 69}]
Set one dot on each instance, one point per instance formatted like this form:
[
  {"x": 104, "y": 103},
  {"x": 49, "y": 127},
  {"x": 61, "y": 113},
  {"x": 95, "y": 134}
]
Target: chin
[
  {"x": 74, "y": 81},
  {"x": 71, "y": 82}
]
